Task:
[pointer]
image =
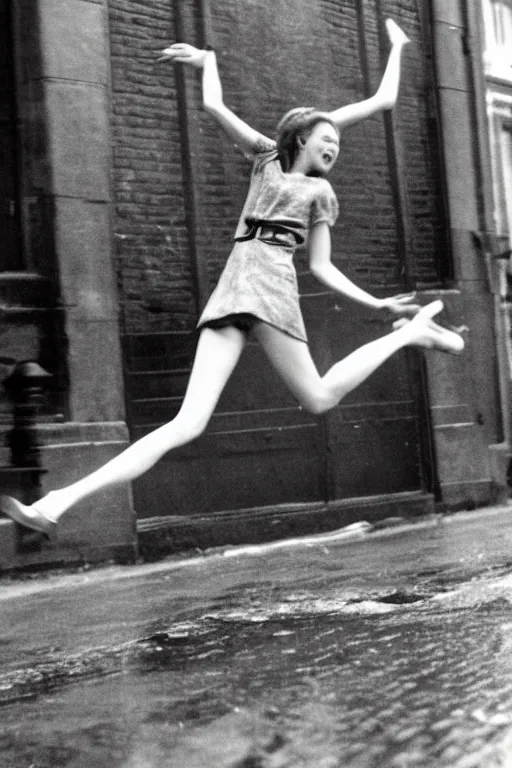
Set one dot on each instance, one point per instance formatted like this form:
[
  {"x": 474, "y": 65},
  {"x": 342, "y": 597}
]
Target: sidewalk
[{"x": 18, "y": 583}]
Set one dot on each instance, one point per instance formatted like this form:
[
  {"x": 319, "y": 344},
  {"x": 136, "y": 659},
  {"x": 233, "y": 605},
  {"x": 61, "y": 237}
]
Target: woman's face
[{"x": 320, "y": 149}]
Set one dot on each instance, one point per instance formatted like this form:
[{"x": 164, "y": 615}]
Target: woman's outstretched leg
[
  {"x": 217, "y": 354},
  {"x": 293, "y": 361}
]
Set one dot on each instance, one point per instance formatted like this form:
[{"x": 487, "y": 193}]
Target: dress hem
[{"x": 205, "y": 324}]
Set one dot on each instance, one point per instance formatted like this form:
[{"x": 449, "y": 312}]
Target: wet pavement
[{"x": 374, "y": 649}]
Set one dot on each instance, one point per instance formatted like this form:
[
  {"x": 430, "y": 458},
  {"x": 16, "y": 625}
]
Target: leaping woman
[{"x": 289, "y": 203}]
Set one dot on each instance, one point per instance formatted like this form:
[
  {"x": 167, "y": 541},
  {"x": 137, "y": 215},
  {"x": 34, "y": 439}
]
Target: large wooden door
[
  {"x": 261, "y": 449},
  {"x": 10, "y": 253}
]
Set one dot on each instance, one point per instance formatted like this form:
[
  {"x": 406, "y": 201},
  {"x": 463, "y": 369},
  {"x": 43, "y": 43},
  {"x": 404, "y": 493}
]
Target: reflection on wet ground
[{"x": 380, "y": 654}]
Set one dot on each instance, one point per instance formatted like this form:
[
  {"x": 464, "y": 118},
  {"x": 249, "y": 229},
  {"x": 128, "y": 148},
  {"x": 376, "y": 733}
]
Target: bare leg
[
  {"x": 293, "y": 361},
  {"x": 217, "y": 353}
]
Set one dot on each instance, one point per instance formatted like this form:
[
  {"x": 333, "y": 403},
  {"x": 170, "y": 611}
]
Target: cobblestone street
[{"x": 383, "y": 648}]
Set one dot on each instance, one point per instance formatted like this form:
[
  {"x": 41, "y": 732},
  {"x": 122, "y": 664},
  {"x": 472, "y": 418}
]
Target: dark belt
[{"x": 271, "y": 233}]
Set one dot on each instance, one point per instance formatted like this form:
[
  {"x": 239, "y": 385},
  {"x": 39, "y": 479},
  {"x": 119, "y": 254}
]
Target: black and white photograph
[{"x": 255, "y": 383}]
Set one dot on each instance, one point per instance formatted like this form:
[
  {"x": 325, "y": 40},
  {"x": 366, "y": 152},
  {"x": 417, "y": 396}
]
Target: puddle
[
  {"x": 371, "y": 656},
  {"x": 413, "y": 686}
]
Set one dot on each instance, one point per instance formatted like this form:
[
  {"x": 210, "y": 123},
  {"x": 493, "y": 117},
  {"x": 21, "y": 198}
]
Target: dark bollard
[{"x": 26, "y": 386}]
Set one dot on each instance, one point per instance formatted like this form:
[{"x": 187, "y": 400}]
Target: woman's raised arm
[
  {"x": 248, "y": 139},
  {"x": 387, "y": 93}
]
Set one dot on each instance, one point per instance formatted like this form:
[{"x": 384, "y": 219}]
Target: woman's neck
[{"x": 299, "y": 166}]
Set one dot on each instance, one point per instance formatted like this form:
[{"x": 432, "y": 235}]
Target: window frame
[{"x": 497, "y": 17}]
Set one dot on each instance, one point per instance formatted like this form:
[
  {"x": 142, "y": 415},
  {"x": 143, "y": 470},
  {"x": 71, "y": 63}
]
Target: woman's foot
[
  {"x": 395, "y": 34},
  {"x": 426, "y": 333},
  {"x": 29, "y": 516}
]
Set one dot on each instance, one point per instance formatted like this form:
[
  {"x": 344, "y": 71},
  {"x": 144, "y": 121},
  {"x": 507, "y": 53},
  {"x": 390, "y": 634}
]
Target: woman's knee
[
  {"x": 319, "y": 402},
  {"x": 189, "y": 426},
  {"x": 182, "y": 429}
]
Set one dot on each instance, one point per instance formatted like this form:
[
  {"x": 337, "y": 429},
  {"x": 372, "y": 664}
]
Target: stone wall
[{"x": 64, "y": 98}]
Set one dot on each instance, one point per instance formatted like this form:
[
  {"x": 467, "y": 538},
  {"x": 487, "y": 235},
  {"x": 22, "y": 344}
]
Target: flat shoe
[
  {"x": 400, "y": 323},
  {"x": 445, "y": 341},
  {"x": 430, "y": 310},
  {"x": 29, "y": 516}
]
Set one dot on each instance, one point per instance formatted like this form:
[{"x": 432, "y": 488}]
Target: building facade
[
  {"x": 497, "y": 56},
  {"x": 120, "y": 201}
]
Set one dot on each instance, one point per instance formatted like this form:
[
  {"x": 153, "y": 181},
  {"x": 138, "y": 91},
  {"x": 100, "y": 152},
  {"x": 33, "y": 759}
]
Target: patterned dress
[{"x": 259, "y": 278}]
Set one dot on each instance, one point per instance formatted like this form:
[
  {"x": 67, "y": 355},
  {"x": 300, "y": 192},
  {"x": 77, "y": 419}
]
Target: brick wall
[
  {"x": 417, "y": 124},
  {"x": 271, "y": 60},
  {"x": 156, "y": 285},
  {"x": 272, "y": 56}
]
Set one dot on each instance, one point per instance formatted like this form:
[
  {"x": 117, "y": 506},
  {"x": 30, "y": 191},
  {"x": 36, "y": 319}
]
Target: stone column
[
  {"x": 74, "y": 50},
  {"x": 464, "y": 392}
]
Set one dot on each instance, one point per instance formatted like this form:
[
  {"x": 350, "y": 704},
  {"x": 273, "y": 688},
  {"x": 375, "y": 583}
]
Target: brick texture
[
  {"x": 152, "y": 244},
  {"x": 417, "y": 125},
  {"x": 297, "y": 70},
  {"x": 272, "y": 56}
]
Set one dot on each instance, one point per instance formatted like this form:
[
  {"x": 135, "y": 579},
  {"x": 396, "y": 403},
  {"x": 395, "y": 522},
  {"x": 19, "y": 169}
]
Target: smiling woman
[
  {"x": 289, "y": 203},
  {"x": 301, "y": 124}
]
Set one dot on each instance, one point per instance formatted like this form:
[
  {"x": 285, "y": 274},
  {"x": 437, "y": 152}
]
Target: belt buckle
[{"x": 274, "y": 235}]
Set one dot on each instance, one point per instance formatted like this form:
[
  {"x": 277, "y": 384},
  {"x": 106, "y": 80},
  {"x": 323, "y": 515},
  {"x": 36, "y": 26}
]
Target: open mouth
[{"x": 327, "y": 157}]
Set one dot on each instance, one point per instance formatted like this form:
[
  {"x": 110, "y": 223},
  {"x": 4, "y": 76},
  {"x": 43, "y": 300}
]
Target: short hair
[{"x": 297, "y": 123}]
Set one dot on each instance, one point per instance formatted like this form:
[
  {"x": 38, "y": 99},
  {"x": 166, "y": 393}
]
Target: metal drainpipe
[
  {"x": 189, "y": 184},
  {"x": 206, "y": 24}
]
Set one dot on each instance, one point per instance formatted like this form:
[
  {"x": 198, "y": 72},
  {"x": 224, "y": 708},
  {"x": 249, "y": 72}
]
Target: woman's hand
[
  {"x": 401, "y": 304},
  {"x": 396, "y": 35},
  {"x": 183, "y": 53}
]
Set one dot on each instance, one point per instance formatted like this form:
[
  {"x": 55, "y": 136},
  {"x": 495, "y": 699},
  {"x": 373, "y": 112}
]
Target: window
[
  {"x": 506, "y": 161},
  {"x": 498, "y": 38}
]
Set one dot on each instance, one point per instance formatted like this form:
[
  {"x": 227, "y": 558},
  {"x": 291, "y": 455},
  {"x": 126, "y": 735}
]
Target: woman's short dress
[{"x": 259, "y": 279}]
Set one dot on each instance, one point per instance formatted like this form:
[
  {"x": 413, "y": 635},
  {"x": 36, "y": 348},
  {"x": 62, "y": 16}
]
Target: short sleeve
[
  {"x": 264, "y": 145},
  {"x": 324, "y": 206},
  {"x": 262, "y": 157},
  {"x": 262, "y": 149}
]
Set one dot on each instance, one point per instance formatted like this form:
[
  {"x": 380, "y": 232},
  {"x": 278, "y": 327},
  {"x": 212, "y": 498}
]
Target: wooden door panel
[
  {"x": 236, "y": 469},
  {"x": 373, "y": 456},
  {"x": 260, "y": 448},
  {"x": 373, "y": 435}
]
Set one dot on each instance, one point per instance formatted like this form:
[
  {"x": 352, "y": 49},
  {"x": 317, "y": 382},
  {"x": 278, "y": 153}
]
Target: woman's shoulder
[
  {"x": 263, "y": 152},
  {"x": 264, "y": 146},
  {"x": 323, "y": 188},
  {"x": 311, "y": 187},
  {"x": 325, "y": 184},
  {"x": 324, "y": 204},
  {"x": 264, "y": 155}
]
